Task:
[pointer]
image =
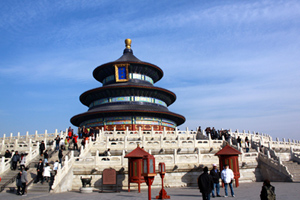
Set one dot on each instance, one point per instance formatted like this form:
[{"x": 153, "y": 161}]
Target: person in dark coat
[
  {"x": 15, "y": 159},
  {"x": 42, "y": 147},
  {"x": 215, "y": 173},
  {"x": 40, "y": 169},
  {"x": 60, "y": 155},
  {"x": 205, "y": 184},
  {"x": 7, "y": 154},
  {"x": 267, "y": 191}
]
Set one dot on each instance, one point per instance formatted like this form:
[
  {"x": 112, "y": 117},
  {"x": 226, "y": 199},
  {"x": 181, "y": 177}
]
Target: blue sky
[{"x": 232, "y": 64}]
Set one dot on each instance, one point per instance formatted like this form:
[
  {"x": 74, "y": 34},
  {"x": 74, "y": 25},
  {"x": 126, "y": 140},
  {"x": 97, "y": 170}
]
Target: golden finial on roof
[
  {"x": 128, "y": 43},
  {"x": 138, "y": 145}
]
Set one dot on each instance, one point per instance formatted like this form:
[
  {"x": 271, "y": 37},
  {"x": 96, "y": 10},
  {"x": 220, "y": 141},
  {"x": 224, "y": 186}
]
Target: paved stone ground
[{"x": 246, "y": 191}]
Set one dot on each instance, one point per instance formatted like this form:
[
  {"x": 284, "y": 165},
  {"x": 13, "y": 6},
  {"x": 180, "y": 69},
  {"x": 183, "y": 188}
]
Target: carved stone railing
[
  {"x": 32, "y": 154},
  {"x": 275, "y": 164},
  {"x": 62, "y": 171},
  {"x": 22, "y": 143}
]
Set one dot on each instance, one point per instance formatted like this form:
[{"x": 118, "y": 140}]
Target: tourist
[
  {"x": 75, "y": 137},
  {"x": 7, "y": 154},
  {"x": 227, "y": 178},
  {"x": 46, "y": 156},
  {"x": 55, "y": 166},
  {"x": 215, "y": 173},
  {"x": 239, "y": 141},
  {"x": 67, "y": 143},
  {"x": 60, "y": 155},
  {"x": 47, "y": 172},
  {"x": 79, "y": 132},
  {"x": 267, "y": 191},
  {"x": 205, "y": 184},
  {"x": 23, "y": 161},
  {"x": 24, "y": 181},
  {"x": 19, "y": 183},
  {"x": 247, "y": 141},
  {"x": 15, "y": 160},
  {"x": 62, "y": 144},
  {"x": 57, "y": 140},
  {"x": 40, "y": 170},
  {"x": 42, "y": 148},
  {"x": 83, "y": 142}
]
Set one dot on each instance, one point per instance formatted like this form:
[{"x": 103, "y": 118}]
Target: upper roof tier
[{"x": 135, "y": 66}]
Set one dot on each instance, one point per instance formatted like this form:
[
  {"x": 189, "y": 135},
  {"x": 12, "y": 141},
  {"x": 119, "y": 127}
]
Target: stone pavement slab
[{"x": 246, "y": 191}]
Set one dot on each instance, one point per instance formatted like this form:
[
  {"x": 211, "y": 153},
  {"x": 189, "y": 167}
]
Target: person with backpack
[{"x": 267, "y": 191}]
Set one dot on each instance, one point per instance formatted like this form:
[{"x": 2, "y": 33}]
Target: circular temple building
[{"x": 128, "y": 99}]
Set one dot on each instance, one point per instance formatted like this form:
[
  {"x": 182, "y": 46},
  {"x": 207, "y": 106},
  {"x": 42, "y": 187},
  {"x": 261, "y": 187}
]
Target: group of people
[
  {"x": 15, "y": 159},
  {"x": 208, "y": 183},
  {"x": 21, "y": 182},
  {"x": 85, "y": 132},
  {"x": 44, "y": 171},
  {"x": 217, "y": 134},
  {"x": 69, "y": 143}
]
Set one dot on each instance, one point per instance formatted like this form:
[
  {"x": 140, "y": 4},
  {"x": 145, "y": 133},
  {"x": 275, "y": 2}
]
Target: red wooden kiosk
[
  {"x": 230, "y": 156},
  {"x": 135, "y": 166}
]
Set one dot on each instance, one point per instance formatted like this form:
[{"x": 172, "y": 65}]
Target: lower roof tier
[{"x": 79, "y": 120}]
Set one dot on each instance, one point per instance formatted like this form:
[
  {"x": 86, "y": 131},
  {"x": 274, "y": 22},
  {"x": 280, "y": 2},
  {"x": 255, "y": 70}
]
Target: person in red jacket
[{"x": 75, "y": 142}]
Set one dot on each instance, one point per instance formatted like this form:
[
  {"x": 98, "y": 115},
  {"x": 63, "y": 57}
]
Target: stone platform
[{"x": 246, "y": 191}]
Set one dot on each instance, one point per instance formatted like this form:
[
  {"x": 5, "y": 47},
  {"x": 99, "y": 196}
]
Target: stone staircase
[
  {"x": 294, "y": 169},
  {"x": 8, "y": 178}
]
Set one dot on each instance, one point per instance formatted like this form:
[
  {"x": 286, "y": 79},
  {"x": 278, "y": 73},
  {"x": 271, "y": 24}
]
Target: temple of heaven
[{"x": 128, "y": 99}]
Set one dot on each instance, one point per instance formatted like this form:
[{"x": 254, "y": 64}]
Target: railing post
[
  {"x": 143, "y": 140},
  {"x": 2, "y": 146},
  {"x": 175, "y": 156},
  {"x": 125, "y": 142},
  {"x": 96, "y": 157},
  {"x": 127, "y": 132},
  {"x": 16, "y": 144},
  {"x": 140, "y": 132},
  {"x": 2, "y": 164},
  {"x": 122, "y": 158},
  {"x": 36, "y": 135},
  {"x": 11, "y": 137},
  {"x": 268, "y": 154},
  {"x": 27, "y": 136},
  {"x": 46, "y": 134},
  {"x": 164, "y": 132},
  {"x": 176, "y": 131},
  {"x": 107, "y": 142},
  {"x": 29, "y": 157},
  {"x": 199, "y": 156},
  {"x": 115, "y": 132}
]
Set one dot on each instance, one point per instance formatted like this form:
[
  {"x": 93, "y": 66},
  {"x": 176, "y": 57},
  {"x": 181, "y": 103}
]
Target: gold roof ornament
[{"x": 128, "y": 43}]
